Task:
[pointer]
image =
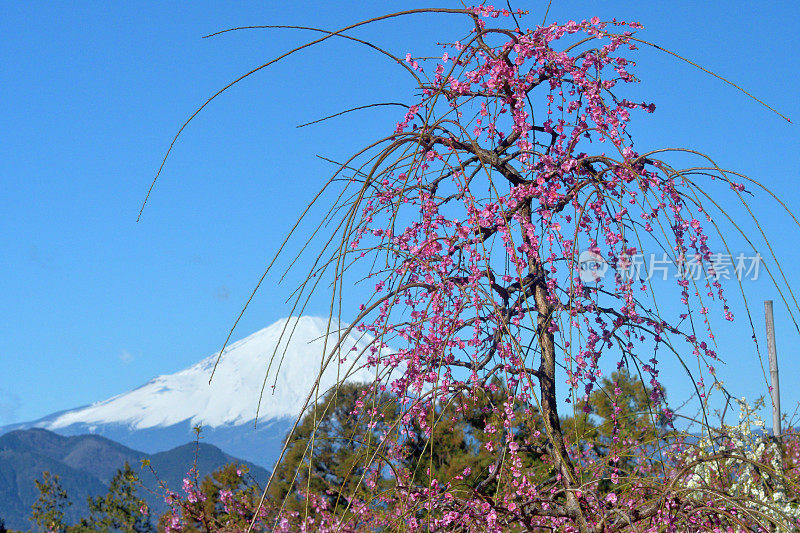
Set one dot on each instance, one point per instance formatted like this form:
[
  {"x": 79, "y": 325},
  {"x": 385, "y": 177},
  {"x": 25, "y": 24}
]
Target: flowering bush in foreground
[
  {"x": 751, "y": 468},
  {"x": 470, "y": 218},
  {"x": 747, "y": 479}
]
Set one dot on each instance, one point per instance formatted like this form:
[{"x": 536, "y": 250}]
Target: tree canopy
[{"x": 508, "y": 223}]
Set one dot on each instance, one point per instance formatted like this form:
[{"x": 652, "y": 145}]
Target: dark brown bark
[{"x": 547, "y": 384}]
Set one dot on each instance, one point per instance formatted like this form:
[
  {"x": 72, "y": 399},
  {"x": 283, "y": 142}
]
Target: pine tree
[
  {"x": 223, "y": 502},
  {"x": 47, "y": 512},
  {"x": 120, "y": 509},
  {"x": 332, "y": 450},
  {"x": 617, "y": 423},
  {"x": 343, "y": 458},
  {"x": 462, "y": 435},
  {"x": 636, "y": 419}
]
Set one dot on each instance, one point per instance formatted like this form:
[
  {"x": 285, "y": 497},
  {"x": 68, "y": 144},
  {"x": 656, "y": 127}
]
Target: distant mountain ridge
[
  {"x": 161, "y": 414},
  {"x": 86, "y": 464}
]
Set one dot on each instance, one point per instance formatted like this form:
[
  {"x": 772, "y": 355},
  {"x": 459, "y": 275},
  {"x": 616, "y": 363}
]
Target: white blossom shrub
[{"x": 748, "y": 464}]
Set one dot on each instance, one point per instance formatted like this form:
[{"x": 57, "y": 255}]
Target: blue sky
[{"x": 94, "y": 303}]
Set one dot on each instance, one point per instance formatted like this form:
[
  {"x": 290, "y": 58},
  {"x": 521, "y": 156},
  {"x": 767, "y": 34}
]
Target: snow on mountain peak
[{"x": 232, "y": 396}]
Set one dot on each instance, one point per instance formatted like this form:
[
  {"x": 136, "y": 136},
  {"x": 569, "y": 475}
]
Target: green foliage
[
  {"x": 336, "y": 452},
  {"x": 47, "y": 512},
  {"x": 636, "y": 420},
  {"x": 636, "y": 433},
  {"x": 466, "y": 436},
  {"x": 225, "y": 497},
  {"x": 120, "y": 509},
  {"x": 231, "y": 479},
  {"x": 333, "y": 452}
]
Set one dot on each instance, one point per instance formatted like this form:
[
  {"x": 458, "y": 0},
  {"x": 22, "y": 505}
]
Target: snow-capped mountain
[{"x": 285, "y": 358}]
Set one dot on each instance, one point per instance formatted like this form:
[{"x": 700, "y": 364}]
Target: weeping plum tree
[{"x": 472, "y": 219}]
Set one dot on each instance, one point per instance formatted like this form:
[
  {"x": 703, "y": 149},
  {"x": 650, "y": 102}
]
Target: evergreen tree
[
  {"x": 638, "y": 425},
  {"x": 47, "y": 512},
  {"x": 223, "y": 502},
  {"x": 343, "y": 457},
  {"x": 335, "y": 448},
  {"x": 636, "y": 418},
  {"x": 120, "y": 509},
  {"x": 465, "y": 436}
]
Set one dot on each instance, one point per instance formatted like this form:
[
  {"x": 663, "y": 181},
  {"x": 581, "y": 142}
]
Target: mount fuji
[{"x": 162, "y": 413}]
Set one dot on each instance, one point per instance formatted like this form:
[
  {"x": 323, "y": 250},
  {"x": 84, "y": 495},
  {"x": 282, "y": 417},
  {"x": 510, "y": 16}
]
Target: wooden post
[{"x": 773, "y": 370}]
